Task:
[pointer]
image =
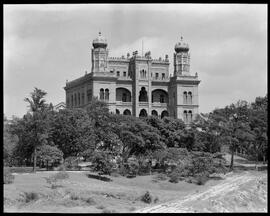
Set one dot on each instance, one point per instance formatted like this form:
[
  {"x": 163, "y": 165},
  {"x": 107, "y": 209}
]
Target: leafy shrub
[
  {"x": 133, "y": 166},
  {"x": 115, "y": 174},
  {"x": 102, "y": 163},
  {"x": 100, "y": 207},
  {"x": 161, "y": 177},
  {"x": 20, "y": 169},
  {"x": 201, "y": 179},
  {"x": 108, "y": 211},
  {"x": 90, "y": 201},
  {"x": 8, "y": 177},
  {"x": 74, "y": 196},
  {"x": 102, "y": 178},
  {"x": 71, "y": 163},
  {"x": 174, "y": 177},
  {"x": 147, "y": 198},
  {"x": 62, "y": 168},
  {"x": 31, "y": 196},
  {"x": 61, "y": 175}
]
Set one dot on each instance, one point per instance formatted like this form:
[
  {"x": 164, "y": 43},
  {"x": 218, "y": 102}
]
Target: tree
[
  {"x": 37, "y": 111},
  {"x": 72, "y": 131},
  {"x": 48, "y": 153}
]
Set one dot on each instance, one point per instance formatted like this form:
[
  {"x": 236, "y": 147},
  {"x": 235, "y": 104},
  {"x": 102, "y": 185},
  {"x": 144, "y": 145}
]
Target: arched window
[
  {"x": 185, "y": 116},
  {"x": 189, "y": 97},
  {"x": 143, "y": 113},
  {"x": 161, "y": 99},
  {"x": 101, "y": 94},
  {"x": 89, "y": 95},
  {"x": 79, "y": 99},
  {"x": 68, "y": 102},
  {"x": 143, "y": 95},
  {"x": 82, "y": 98},
  {"x": 117, "y": 111},
  {"x": 189, "y": 116},
  {"x": 127, "y": 112},
  {"x": 185, "y": 97},
  {"x": 107, "y": 94},
  {"x": 124, "y": 97},
  {"x": 154, "y": 113},
  {"x": 164, "y": 113}
]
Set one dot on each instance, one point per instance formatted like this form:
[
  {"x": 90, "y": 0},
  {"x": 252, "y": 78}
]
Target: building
[
  {"x": 59, "y": 106},
  {"x": 138, "y": 85}
]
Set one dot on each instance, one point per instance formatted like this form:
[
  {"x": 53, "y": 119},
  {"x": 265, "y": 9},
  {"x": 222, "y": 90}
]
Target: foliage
[
  {"x": 20, "y": 169},
  {"x": 201, "y": 179},
  {"x": 71, "y": 163},
  {"x": 102, "y": 162},
  {"x": 47, "y": 153},
  {"x": 8, "y": 177},
  {"x": 147, "y": 197},
  {"x": 31, "y": 196},
  {"x": 174, "y": 177}
]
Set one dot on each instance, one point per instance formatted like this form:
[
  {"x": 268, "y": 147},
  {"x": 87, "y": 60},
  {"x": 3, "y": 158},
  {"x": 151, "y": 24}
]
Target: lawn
[{"x": 79, "y": 193}]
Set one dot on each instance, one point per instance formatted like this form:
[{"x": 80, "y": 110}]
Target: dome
[
  {"x": 181, "y": 46},
  {"x": 100, "y": 42}
]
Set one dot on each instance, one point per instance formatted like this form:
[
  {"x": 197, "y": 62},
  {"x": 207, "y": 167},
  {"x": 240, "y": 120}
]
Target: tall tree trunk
[
  {"x": 35, "y": 159},
  {"x": 232, "y": 158}
]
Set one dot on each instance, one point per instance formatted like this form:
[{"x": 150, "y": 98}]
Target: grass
[{"x": 92, "y": 195}]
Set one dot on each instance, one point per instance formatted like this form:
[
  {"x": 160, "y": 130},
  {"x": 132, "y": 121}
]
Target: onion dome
[
  {"x": 181, "y": 46},
  {"x": 100, "y": 42}
]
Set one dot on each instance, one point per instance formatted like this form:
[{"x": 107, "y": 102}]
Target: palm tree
[{"x": 37, "y": 105}]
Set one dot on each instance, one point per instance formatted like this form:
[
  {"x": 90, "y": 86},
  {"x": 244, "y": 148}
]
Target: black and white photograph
[{"x": 135, "y": 108}]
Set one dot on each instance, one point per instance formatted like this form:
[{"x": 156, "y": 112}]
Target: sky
[{"x": 45, "y": 45}]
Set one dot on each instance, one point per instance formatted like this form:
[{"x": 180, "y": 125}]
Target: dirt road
[{"x": 242, "y": 192}]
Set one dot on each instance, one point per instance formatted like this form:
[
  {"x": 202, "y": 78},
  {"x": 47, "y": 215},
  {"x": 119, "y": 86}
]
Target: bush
[
  {"x": 102, "y": 178},
  {"x": 90, "y": 201},
  {"x": 74, "y": 196},
  {"x": 20, "y": 169},
  {"x": 102, "y": 163},
  {"x": 8, "y": 177},
  {"x": 201, "y": 179},
  {"x": 61, "y": 175},
  {"x": 161, "y": 177},
  {"x": 174, "y": 177},
  {"x": 147, "y": 198},
  {"x": 133, "y": 166},
  {"x": 31, "y": 196},
  {"x": 71, "y": 163}
]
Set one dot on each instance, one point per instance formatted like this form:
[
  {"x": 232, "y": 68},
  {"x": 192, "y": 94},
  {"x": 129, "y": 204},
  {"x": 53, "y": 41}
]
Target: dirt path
[{"x": 237, "y": 193}]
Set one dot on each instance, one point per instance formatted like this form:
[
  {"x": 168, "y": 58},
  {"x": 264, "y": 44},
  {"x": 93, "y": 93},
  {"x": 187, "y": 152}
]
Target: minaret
[
  {"x": 181, "y": 59},
  {"x": 100, "y": 54}
]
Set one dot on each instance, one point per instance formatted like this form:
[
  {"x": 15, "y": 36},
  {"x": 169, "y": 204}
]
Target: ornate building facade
[{"x": 138, "y": 85}]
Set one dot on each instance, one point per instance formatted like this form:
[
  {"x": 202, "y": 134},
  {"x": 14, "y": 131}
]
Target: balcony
[
  {"x": 158, "y": 104},
  {"x": 122, "y": 103}
]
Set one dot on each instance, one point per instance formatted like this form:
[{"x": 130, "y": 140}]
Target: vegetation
[
  {"x": 8, "y": 177},
  {"x": 134, "y": 146}
]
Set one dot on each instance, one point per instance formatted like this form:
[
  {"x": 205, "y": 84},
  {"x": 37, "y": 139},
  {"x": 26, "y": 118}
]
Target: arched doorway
[
  {"x": 127, "y": 112},
  {"x": 154, "y": 113},
  {"x": 164, "y": 113},
  {"x": 143, "y": 95},
  {"x": 143, "y": 113},
  {"x": 123, "y": 94},
  {"x": 160, "y": 96}
]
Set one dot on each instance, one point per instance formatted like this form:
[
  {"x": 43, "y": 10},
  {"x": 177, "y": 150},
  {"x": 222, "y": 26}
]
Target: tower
[
  {"x": 181, "y": 59},
  {"x": 100, "y": 54},
  {"x": 184, "y": 86}
]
